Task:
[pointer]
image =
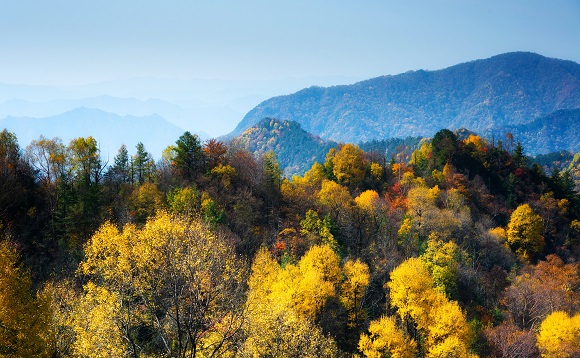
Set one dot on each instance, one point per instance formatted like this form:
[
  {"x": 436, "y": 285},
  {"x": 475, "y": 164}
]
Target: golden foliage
[
  {"x": 173, "y": 275},
  {"x": 440, "y": 322},
  {"x": 386, "y": 339},
  {"x": 357, "y": 278},
  {"x": 559, "y": 335},
  {"x": 283, "y": 302},
  {"x": 349, "y": 165},
  {"x": 23, "y": 317},
  {"x": 96, "y": 325},
  {"x": 524, "y": 232}
]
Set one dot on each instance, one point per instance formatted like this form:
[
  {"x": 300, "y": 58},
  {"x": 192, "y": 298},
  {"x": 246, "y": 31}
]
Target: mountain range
[
  {"x": 510, "y": 92},
  {"x": 109, "y": 129}
]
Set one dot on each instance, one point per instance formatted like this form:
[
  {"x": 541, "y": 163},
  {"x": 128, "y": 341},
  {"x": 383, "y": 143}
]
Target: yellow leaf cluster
[
  {"x": 95, "y": 324},
  {"x": 283, "y": 302},
  {"x": 357, "y": 277},
  {"x": 172, "y": 275},
  {"x": 439, "y": 320},
  {"x": 524, "y": 232},
  {"x": 386, "y": 339},
  {"x": 23, "y": 317},
  {"x": 559, "y": 335}
]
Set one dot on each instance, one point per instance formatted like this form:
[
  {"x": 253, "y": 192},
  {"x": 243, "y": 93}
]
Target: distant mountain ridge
[
  {"x": 109, "y": 129},
  {"x": 486, "y": 96}
]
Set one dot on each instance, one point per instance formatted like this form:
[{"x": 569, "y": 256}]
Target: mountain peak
[{"x": 484, "y": 96}]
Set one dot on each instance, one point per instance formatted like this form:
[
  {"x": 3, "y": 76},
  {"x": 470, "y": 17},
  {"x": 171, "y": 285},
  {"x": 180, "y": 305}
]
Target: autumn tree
[
  {"x": 352, "y": 292},
  {"x": 508, "y": 340},
  {"x": 559, "y": 335},
  {"x": 349, "y": 165},
  {"x": 23, "y": 317},
  {"x": 318, "y": 231},
  {"x": 442, "y": 261},
  {"x": 214, "y": 152},
  {"x": 337, "y": 202},
  {"x": 172, "y": 277},
  {"x": 524, "y": 232},
  {"x": 537, "y": 291},
  {"x": 283, "y": 303},
  {"x": 48, "y": 156},
  {"x": 386, "y": 339},
  {"x": 97, "y": 324},
  {"x": 441, "y": 324}
]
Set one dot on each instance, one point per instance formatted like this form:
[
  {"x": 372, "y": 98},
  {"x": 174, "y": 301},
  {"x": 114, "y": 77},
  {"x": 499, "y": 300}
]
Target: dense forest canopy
[{"x": 459, "y": 248}]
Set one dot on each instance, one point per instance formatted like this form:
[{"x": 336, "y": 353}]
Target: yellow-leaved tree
[
  {"x": 559, "y": 335},
  {"x": 385, "y": 339},
  {"x": 283, "y": 302},
  {"x": 350, "y": 165},
  {"x": 441, "y": 325},
  {"x": 357, "y": 277},
  {"x": 173, "y": 278},
  {"x": 23, "y": 317},
  {"x": 524, "y": 232}
]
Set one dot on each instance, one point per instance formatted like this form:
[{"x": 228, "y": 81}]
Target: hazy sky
[{"x": 80, "y": 41}]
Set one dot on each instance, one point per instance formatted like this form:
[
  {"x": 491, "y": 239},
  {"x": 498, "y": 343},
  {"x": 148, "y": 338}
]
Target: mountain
[
  {"x": 109, "y": 129},
  {"x": 484, "y": 96},
  {"x": 552, "y": 133},
  {"x": 295, "y": 148}
]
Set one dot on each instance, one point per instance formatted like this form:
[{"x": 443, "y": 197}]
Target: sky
[{"x": 72, "y": 42}]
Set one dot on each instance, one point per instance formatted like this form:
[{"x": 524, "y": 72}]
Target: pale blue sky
[{"x": 80, "y": 41}]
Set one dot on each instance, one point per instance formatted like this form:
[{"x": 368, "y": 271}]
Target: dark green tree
[
  {"x": 189, "y": 158},
  {"x": 143, "y": 164},
  {"x": 519, "y": 158},
  {"x": 445, "y": 145},
  {"x": 120, "y": 171}
]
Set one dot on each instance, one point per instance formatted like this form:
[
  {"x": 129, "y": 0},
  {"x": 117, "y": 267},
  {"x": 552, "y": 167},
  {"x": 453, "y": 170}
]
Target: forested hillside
[
  {"x": 485, "y": 96},
  {"x": 461, "y": 248},
  {"x": 296, "y": 149}
]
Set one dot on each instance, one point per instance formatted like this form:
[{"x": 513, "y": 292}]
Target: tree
[
  {"x": 17, "y": 189},
  {"x": 507, "y": 340},
  {"x": 441, "y": 259},
  {"x": 440, "y": 322},
  {"x": 96, "y": 324},
  {"x": 121, "y": 169},
  {"x": 272, "y": 181},
  {"x": 48, "y": 156},
  {"x": 86, "y": 160},
  {"x": 336, "y": 200},
  {"x": 349, "y": 165},
  {"x": 352, "y": 290},
  {"x": 411, "y": 292},
  {"x": 173, "y": 278},
  {"x": 385, "y": 339},
  {"x": 143, "y": 165},
  {"x": 559, "y": 335},
  {"x": 189, "y": 157},
  {"x": 282, "y": 304},
  {"x": 445, "y": 146},
  {"x": 23, "y": 317},
  {"x": 518, "y": 156},
  {"x": 215, "y": 152},
  {"x": 540, "y": 290},
  {"x": 524, "y": 233}
]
